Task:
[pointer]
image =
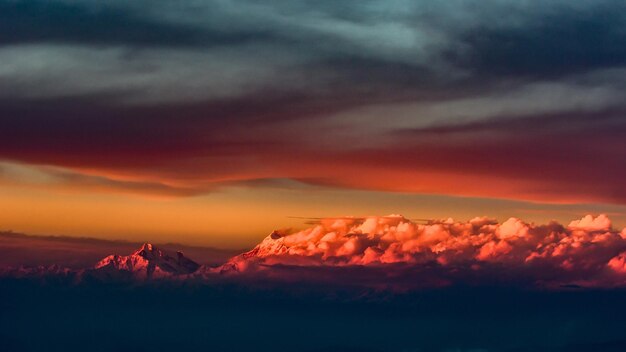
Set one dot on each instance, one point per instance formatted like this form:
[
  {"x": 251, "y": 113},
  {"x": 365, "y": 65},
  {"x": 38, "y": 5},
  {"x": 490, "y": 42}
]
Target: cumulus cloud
[
  {"x": 618, "y": 263},
  {"x": 590, "y": 223},
  {"x": 586, "y": 253}
]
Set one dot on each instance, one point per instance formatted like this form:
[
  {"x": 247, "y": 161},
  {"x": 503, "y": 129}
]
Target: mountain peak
[
  {"x": 149, "y": 251},
  {"x": 147, "y": 247},
  {"x": 149, "y": 261},
  {"x": 271, "y": 245}
]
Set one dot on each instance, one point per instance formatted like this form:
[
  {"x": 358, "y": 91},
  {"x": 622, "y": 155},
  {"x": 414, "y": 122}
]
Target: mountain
[
  {"x": 271, "y": 245},
  {"x": 17, "y": 249},
  {"x": 148, "y": 262}
]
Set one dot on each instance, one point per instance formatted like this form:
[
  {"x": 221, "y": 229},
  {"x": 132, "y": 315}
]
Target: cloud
[
  {"x": 533, "y": 158},
  {"x": 589, "y": 223},
  {"x": 141, "y": 76},
  {"x": 104, "y": 24},
  {"x": 589, "y": 93},
  {"x": 618, "y": 263},
  {"x": 213, "y": 93},
  {"x": 60, "y": 179},
  {"x": 588, "y": 253},
  {"x": 395, "y": 51},
  {"x": 583, "y": 41}
]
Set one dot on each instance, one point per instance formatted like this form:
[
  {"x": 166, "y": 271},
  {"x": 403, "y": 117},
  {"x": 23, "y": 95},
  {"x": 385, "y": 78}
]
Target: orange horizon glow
[{"x": 238, "y": 216}]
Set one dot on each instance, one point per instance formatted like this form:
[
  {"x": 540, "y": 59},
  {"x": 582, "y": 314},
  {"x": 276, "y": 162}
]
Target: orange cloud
[{"x": 587, "y": 253}]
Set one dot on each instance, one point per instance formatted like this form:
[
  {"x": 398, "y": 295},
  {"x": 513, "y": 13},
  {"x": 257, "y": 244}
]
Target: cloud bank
[{"x": 396, "y": 251}]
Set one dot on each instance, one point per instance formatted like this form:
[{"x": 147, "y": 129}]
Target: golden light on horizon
[{"x": 237, "y": 217}]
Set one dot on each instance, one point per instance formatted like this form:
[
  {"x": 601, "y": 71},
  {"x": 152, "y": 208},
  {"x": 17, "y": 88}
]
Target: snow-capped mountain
[
  {"x": 271, "y": 245},
  {"x": 148, "y": 261}
]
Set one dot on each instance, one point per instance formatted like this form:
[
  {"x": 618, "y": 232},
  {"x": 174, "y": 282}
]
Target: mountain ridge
[{"x": 149, "y": 261}]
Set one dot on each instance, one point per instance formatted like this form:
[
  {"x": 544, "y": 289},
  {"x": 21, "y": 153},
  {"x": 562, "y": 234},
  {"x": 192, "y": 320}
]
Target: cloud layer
[
  {"x": 587, "y": 253},
  {"x": 523, "y": 100}
]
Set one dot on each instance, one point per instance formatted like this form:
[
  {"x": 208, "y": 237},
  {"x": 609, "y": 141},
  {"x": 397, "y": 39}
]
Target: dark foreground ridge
[{"x": 170, "y": 315}]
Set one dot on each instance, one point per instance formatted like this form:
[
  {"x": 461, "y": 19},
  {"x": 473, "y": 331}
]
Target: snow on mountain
[
  {"x": 270, "y": 246},
  {"x": 148, "y": 262}
]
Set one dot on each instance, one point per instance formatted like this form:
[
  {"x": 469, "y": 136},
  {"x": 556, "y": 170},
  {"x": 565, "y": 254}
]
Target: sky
[{"x": 213, "y": 123}]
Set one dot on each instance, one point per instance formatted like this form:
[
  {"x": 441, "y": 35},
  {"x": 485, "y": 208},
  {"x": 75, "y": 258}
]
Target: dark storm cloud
[
  {"x": 103, "y": 24},
  {"x": 562, "y": 41},
  {"x": 235, "y": 91},
  {"x": 368, "y": 49}
]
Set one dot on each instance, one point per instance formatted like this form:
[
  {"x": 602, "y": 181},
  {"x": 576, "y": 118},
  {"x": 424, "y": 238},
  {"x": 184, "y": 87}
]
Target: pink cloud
[
  {"x": 589, "y": 223},
  {"x": 587, "y": 252},
  {"x": 618, "y": 263}
]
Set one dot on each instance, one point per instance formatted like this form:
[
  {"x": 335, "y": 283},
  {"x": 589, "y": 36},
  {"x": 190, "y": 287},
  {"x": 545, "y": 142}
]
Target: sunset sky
[{"x": 215, "y": 122}]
